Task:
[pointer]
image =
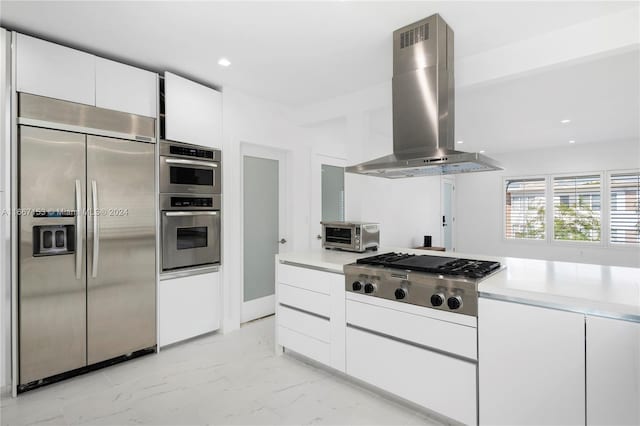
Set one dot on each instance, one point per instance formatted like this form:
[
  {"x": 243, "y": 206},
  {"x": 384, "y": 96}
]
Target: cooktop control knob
[
  {"x": 454, "y": 302},
  {"x": 400, "y": 293},
  {"x": 356, "y": 286},
  {"x": 437, "y": 299},
  {"x": 369, "y": 288}
]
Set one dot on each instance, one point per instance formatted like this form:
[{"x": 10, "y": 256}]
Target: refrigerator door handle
[
  {"x": 96, "y": 232},
  {"x": 78, "y": 230}
]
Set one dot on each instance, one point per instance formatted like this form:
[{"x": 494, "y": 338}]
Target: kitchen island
[{"x": 562, "y": 336}]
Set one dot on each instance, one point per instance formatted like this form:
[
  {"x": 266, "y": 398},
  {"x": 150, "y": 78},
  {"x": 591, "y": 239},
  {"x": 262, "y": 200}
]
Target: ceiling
[
  {"x": 294, "y": 53},
  {"x": 601, "y": 97}
]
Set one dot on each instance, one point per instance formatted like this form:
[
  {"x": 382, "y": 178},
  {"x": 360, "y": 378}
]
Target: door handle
[
  {"x": 282, "y": 241},
  {"x": 191, "y": 162},
  {"x": 194, "y": 213},
  {"x": 318, "y": 237},
  {"x": 96, "y": 231},
  {"x": 78, "y": 230}
]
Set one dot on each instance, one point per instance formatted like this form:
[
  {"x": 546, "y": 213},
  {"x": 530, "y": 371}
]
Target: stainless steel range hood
[{"x": 423, "y": 108}]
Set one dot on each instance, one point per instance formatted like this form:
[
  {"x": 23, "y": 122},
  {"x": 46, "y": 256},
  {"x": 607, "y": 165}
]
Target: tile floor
[{"x": 218, "y": 379}]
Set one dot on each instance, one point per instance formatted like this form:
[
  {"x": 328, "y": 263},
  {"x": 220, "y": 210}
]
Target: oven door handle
[
  {"x": 195, "y": 213},
  {"x": 191, "y": 162}
]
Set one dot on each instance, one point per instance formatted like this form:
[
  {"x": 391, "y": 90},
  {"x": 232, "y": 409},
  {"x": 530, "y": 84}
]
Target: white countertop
[{"x": 611, "y": 291}]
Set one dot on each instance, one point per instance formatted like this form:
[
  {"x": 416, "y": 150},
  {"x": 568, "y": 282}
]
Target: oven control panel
[
  {"x": 191, "y": 201},
  {"x": 191, "y": 152}
]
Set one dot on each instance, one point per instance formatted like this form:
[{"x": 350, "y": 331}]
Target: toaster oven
[{"x": 351, "y": 236}]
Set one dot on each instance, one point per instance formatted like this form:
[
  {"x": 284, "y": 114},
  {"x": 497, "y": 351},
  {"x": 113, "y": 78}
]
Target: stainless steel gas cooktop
[{"x": 438, "y": 282}]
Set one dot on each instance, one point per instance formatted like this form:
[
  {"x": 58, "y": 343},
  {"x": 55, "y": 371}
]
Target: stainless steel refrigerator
[{"x": 87, "y": 291}]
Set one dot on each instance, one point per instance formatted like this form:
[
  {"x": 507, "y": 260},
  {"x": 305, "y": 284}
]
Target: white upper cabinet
[
  {"x": 613, "y": 372},
  {"x": 531, "y": 365},
  {"x": 125, "y": 88},
  {"x": 193, "y": 112},
  {"x": 55, "y": 71}
]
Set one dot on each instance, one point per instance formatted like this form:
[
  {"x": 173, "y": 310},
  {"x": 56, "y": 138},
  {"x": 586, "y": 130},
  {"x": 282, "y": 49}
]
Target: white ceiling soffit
[
  {"x": 299, "y": 53},
  {"x": 601, "y": 98}
]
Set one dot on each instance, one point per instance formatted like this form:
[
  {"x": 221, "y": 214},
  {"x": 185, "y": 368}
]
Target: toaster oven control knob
[
  {"x": 400, "y": 293},
  {"x": 356, "y": 286},
  {"x": 454, "y": 302},
  {"x": 437, "y": 299},
  {"x": 369, "y": 288}
]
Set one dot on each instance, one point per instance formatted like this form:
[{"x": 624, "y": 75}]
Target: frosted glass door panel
[
  {"x": 261, "y": 223},
  {"x": 332, "y": 193}
]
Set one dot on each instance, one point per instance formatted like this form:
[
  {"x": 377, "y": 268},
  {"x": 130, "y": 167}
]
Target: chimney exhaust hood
[{"x": 423, "y": 108}]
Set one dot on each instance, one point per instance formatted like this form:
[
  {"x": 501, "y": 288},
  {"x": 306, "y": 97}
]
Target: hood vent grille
[{"x": 414, "y": 35}]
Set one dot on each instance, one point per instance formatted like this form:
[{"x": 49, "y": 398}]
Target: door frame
[
  {"x": 317, "y": 160},
  {"x": 264, "y": 306},
  {"x": 452, "y": 181}
]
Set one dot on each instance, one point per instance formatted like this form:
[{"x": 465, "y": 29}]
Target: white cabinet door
[
  {"x": 125, "y": 88},
  {"x": 188, "y": 307},
  {"x": 531, "y": 362},
  {"x": 440, "y": 383},
  {"x": 193, "y": 112},
  {"x": 613, "y": 372},
  {"x": 47, "y": 69}
]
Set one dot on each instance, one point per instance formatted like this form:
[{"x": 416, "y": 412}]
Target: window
[
  {"x": 525, "y": 202},
  {"x": 577, "y": 208},
  {"x": 624, "y": 215}
]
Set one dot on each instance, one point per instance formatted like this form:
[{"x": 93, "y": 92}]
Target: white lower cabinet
[
  {"x": 613, "y": 372},
  {"x": 531, "y": 365},
  {"x": 310, "y": 312},
  {"x": 441, "y": 383},
  {"x": 189, "y": 307}
]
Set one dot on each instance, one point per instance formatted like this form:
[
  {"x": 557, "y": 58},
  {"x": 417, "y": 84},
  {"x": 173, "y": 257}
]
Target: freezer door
[
  {"x": 121, "y": 262},
  {"x": 52, "y": 278}
]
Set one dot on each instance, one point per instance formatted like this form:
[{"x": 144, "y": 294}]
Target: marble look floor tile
[{"x": 232, "y": 379}]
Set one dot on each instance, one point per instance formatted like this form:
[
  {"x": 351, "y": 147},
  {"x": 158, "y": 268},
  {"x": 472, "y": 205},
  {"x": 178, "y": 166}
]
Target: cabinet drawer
[
  {"x": 309, "y": 279},
  {"x": 307, "y": 324},
  {"x": 454, "y": 338},
  {"x": 440, "y": 383},
  {"x": 304, "y": 345},
  {"x": 306, "y": 300}
]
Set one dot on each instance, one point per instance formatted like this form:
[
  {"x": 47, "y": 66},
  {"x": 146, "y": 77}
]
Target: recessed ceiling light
[
  {"x": 482, "y": 151},
  {"x": 460, "y": 141},
  {"x": 572, "y": 141},
  {"x": 565, "y": 121},
  {"x": 224, "y": 62}
]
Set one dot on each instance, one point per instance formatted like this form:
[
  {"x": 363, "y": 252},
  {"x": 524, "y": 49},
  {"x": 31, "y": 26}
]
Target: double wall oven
[{"x": 190, "y": 203}]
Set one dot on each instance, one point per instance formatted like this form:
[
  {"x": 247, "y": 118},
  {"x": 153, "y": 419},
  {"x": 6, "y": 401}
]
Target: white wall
[
  {"x": 479, "y": 202},
  {"x": 250, "y": 120},
  {"x": 361, "y": 123}
]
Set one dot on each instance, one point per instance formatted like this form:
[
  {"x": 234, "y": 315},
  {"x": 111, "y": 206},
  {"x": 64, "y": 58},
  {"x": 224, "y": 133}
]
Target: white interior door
[
  {"x": 264, "y": 227},
  {"x": 448, "y": 213},
  {"x": 328, "y": 196}
]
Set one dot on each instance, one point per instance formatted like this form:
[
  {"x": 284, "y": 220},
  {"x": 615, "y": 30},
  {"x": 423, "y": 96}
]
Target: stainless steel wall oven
[
  {"x": 188, "y": 169},
  {"x": 190, "y": 230},
  {"x": 190, "y": 202}
]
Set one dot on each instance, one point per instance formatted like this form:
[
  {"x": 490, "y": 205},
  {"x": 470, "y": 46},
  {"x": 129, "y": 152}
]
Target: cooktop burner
[{"x": 433, "y": 264}]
